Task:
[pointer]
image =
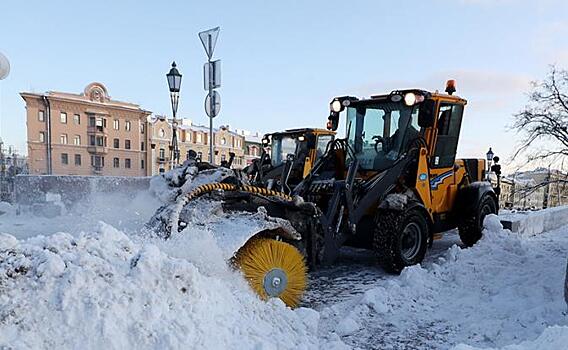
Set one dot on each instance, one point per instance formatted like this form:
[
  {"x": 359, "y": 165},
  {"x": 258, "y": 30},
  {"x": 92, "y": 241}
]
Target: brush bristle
[{"x": 261, "y": 255}]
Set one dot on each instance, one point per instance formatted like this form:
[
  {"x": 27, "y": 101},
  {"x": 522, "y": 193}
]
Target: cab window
[
  {"x": 449, "y": 125},
  {"x": 323, "y": 141}
]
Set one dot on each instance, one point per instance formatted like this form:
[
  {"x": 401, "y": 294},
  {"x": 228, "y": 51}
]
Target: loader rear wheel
[
  {"x": 400, "y": 239},
  {"x": 274, "y": 269},
  {"x": 471, "y": 226}
]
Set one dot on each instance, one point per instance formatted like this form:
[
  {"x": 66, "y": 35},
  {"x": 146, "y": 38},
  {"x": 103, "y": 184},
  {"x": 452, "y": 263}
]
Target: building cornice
[{"x": 81, "y": 100}]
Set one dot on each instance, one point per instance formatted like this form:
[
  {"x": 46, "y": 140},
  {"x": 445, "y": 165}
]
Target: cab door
[{"x": 442, "y": 172}]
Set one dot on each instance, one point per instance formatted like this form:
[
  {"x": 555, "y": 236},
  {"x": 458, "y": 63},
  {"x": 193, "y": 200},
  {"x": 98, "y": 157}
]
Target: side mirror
[
  {"x": 311, "y": 140},
  {"x": 427, "y": 113}
]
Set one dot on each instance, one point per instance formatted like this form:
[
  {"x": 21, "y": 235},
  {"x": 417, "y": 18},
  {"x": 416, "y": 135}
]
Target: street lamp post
[
  {"x": 174, "y": 83},
  {"x": 489, "y": 155}
]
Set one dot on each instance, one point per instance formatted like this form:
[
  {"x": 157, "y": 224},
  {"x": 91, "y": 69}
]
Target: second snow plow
[{"x": 389, "y": 185}]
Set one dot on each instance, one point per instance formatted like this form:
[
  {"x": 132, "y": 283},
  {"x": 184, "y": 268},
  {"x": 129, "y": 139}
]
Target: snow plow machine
[{"x": 392, "y": 185}]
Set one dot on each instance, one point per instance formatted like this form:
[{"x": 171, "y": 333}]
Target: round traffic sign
[{"x": 213, "y": 106}]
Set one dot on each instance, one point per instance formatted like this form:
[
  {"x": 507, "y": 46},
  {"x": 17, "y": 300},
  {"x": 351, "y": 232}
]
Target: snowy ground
[{"x": 102, "y": 285}]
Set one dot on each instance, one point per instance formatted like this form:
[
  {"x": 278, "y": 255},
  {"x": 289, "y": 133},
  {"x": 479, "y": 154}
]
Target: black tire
[
  {"x": 471, "y": 226},
  {"x": 400, "y": 238}
]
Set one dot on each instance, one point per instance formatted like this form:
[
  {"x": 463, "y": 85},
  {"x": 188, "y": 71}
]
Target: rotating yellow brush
[{"x": 273, "y": 269}]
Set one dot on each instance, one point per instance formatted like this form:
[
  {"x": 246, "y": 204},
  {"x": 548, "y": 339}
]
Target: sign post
[{"x": 211, "y": 81}]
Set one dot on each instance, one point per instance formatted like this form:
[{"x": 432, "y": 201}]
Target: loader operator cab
[
  {"x": 380, "y": 131},
  {"x": 288, "y": 156}
]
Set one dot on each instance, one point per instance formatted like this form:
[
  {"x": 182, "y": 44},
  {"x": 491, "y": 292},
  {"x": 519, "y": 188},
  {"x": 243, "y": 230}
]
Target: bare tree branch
[{"x": 545, "y": 118}]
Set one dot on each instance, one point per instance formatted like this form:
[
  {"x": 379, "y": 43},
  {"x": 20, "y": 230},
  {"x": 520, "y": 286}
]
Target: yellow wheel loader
[{"x": 390, "y": 185}]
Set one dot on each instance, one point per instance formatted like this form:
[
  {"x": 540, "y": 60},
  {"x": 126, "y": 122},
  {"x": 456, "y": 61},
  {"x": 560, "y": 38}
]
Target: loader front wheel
[
  {"x": 471, "y": 226},
  {"x": 400, "y": 239},
  {"x": 274, "y": 269}
]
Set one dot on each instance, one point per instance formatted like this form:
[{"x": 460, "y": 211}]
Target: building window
[
  {"x": 141, "y": 163},
  {"x": 127, "y": 125},
  {"x": 63, "y": 139},
  {"x": 223, "y": 141},
  {"x": 127, "y": 144},
  {"x": 141, "y": 128},
  {"x": 162, "y": 133},
  {"x": 64, "y": 159},
  {"x": 92, "y": 141},
  {"x": 116, "y": 143},
  {"x": 162, "y": 154},
  {"x": 63, "y": 117},
  {"x": 77, "y": 140},
  {"x": 101, "y": 141},
  {"x": 127, "y": 163},
  {"x": 41, "y": 116},
  {"x": 141, "y": 146},
  {"x": 97, "y": 162},
  {"x": 42, "y": 137},
  {"x": 116, "y": 163},
  {"x": 98, "y": 122},
  {"x": 77, "y": 159},
  {"x": 116, "y": 124},
  {"x": 77, "y": 119}
]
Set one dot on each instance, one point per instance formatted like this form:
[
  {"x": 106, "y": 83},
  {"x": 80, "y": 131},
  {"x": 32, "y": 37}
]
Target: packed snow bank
[
  {"x": 535, "y": 222},
  {"x": 6, "y": 208},
  {"x": 504, "y": 290},
  {"x": 104, "y": 290}
]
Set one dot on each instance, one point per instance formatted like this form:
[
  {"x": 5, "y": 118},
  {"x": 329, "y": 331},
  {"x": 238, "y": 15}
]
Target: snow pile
[
  {"x": 104, "y": 290},
  {"x": 504, "y": 290},
  {"x": 552, "y": 338},
  {"x": 184, "y": 179},
  {"x": 6, "y": 208},
  {"x": 126, "y": 211}
]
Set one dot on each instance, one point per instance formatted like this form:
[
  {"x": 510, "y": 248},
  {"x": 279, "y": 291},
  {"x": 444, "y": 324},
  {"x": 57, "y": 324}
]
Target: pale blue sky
[{"x": 284, "y": 61}]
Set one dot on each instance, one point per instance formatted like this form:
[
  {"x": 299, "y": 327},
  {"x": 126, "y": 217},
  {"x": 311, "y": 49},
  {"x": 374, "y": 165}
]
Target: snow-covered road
[
  {"x": 503, "y": 291},
  {"x": 110, "y": 288}
]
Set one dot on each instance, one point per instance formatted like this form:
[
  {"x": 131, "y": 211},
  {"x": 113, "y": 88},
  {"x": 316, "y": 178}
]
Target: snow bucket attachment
[{"x": 274, "y": 269}]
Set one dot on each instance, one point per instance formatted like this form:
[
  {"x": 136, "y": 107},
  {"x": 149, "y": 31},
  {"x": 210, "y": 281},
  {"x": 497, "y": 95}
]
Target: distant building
[
  {"x": 195, "y": 138},
  {"x": 86, "y": 134},
  {"x": 539, "y": 188},
  {"x": 253, "y": 145},
  {"x": 507, "y": 193}
]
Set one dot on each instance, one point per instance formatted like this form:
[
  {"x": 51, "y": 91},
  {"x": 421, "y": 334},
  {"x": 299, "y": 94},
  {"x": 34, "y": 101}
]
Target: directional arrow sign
[
  {"x": 209, "y": 39},
  {"x": 213, "y": 106}
]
